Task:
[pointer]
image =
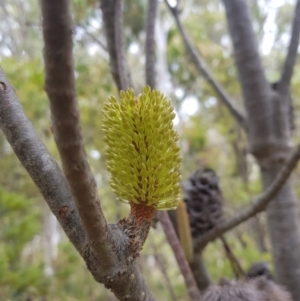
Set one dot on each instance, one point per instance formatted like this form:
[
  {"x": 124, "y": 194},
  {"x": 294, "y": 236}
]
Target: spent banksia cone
[
  {"x": 204, "y": 201},
  {"x": 142, "y": 154}
]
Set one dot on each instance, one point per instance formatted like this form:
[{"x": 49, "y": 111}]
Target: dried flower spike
[{"x": 142, "y": 154}]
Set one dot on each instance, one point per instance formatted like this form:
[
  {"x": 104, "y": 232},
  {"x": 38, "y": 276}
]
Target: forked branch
[
  {"x": 256, "y": 206},
  {"x": 205, "y": 72},
  {"x": 123, "y": 278}
]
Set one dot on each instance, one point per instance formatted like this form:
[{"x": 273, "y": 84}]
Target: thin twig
[
  {"x": 234, "y": 262},
  {"x": 164, "y": 271},
  {"x": 185, "y": 269},
  {"x": 112, "y": 11},
  {"x": 150, "y": 43},
  {"x": 290, "y": 60},
  {"x": 205, "y": 72},
  {"x": 256, "y": 206},
  {"x": 93, "y": 37}
]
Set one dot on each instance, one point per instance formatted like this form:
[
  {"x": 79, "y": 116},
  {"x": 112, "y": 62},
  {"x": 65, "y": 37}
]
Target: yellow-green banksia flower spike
[{"x": 142, "y": 154}]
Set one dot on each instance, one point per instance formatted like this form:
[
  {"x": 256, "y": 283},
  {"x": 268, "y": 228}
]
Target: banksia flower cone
[
  {"x": 204, "y": 201},
  {"x": 142, "y": 154}
]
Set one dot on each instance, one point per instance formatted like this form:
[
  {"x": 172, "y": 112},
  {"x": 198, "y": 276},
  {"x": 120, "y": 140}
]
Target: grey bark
[
  {"x": 270, "y": 142},
  {"x": 284, "y": 233},
  {"x": 112, "y": 11},
  {"x": 255, "y": 87},
  {"x": 150, "y": 44},
  {"x": 200, "y": 272}
]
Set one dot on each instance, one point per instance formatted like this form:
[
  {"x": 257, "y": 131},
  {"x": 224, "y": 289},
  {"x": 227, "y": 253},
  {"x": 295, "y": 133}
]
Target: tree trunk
[
  {"x": 270, "y": 142},
  {"x": 284, "y": 233}
]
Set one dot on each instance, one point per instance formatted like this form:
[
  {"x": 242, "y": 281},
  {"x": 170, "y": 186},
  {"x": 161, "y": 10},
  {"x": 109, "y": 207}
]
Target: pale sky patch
[{"x": 96, "y": 155}]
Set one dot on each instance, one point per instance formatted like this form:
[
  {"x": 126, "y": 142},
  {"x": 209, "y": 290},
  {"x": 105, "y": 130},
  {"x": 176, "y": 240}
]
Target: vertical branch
[
  {"x": 178, "y": 252},
  {"x": 112, "y": 11},
  {"x": 201, "y": 274},
  {"x": 60, "y": 87},
  {"x": 255, "y": 87},
  {"x": 150, "y": 43},
  {"x": 290, "y": 60},
  {"x": 122, "y": 67}
]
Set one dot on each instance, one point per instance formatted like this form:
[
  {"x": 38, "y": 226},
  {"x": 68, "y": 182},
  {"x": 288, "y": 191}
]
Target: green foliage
[
  {"x": 19, "y": 223},
  {"x": 142, "y": 152},
  {"x": 197, "y": 138}
]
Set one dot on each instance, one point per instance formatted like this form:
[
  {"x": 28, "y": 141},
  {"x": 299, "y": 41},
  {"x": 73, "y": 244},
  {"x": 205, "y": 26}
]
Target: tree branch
[
  {"x": 150, "y": 43},
  {"x": 179, "y": 254},
  {"x": 39, "y": 164},
  {"x": 94, "y": 38},
  {"x": 236, "y": 267},
  {"x": 60, "y": 88},
  {"x": 113, "y": 17},
  {"x": 205, "y": 72},
  {"x": 123, "y": 278},
  {"x": 161, "y": 265},
  {"x": 256, "y": 89},
  {"x": 290, "y": 60},
  {"x": 257, "y": 206}
]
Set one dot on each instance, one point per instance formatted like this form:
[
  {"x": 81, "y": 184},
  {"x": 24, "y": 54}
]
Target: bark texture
[
  {"x": 258, "y": 289},
  {"x": 269, "y": 137},
  {"x": 61, "y": 91},
  {"x": 284, "y": 233}
]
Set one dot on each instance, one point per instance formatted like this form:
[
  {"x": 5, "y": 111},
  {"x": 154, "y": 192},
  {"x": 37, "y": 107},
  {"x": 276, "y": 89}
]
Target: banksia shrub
[
  {"x": 204, "y": 201},
  {"x": 142, "y": 154}
]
